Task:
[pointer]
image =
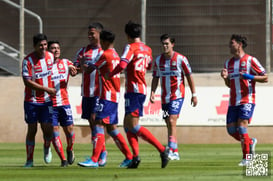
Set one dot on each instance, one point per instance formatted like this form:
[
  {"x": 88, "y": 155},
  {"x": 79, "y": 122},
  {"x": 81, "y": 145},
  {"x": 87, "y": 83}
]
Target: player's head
[
  {"x": 106, "y": 39},
  {"x": 237, "y": 44},
  {"x": 94, "y": 30},
  {"x": 40, "y": 44},
  {"x": 133, "y": 30},
  {"x": 167, "y": 42},
  {"x": 54, "y": 47}
]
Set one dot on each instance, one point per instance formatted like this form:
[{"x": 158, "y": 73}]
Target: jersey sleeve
[
  {"x": 127, "y": 54},
  {"x": 26, "y": 69},
  {"x": 76, "y": 61},
  {"x": 256, "y": 67},
  {"x": 186, "y": 66}
]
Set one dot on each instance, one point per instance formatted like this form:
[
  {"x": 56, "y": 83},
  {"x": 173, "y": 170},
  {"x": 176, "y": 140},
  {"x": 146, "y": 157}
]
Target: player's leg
[
  {"x": 45, "y": 117},
  {"x": 57, "y": 143},
  {"x": 70, "y": 139},
  {"x": 31, "y": 120},
  {"x": 120, "y": 141},
  {"x": 231, "y": 122}
]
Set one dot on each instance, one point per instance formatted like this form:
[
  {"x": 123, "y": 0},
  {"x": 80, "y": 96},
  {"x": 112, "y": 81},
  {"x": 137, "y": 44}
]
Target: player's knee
[
  {"x": 231, "y": 130},
  {"x": 242, "y": 130}
]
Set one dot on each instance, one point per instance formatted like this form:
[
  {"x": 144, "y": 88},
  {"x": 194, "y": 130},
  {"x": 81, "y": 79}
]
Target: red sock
[
  {"x": 70, "y": 139},
  {"x": 57, "y": 143},
  {"x": 245, "y": 141},
  {"x": 149, "y": 137},
  {"x": 98, "y": 143},
  {"x": 133, "y": 141},
  {"x": 30, "y": 151},
  {"x": 122, "y": 145}
]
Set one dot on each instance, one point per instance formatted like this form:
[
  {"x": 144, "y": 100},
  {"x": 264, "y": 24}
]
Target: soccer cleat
[
  {"x": 102, "y": 159},
  {"x": 175, "y": 156},
  {"x": 64, "y": 163},
  {"x": 164, "y": 157},
  {"x": 125, "y": 163},
  {"x": 89, "y": 163},
  {"x": 170, "y": 155},
  {"x": 134, "y": 163},
  {"x": 47, "y": 155},
  {"x": 252, "y": 146},
  {"x": 28, "y": 164},
  {"x": 70, "y": 156},
  {"x": 243, "y": 163}
]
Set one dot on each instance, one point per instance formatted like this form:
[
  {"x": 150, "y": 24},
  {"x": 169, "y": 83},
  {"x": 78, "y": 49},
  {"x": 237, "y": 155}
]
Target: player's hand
[
  {"x": 224, "y": 73},
  {"x": 194, "y": 101},
  {"x": 81, "y": 59},
  {"x": 51, "y": 91},
  {"x": 73, "y": 70},
  {"x": 152, "y": 97}
]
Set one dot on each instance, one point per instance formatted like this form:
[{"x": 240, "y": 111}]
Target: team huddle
[{"x": 46, "y": 76}]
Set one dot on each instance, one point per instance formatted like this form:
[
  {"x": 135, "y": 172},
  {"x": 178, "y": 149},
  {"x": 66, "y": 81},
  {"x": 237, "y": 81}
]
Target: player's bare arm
[
  {"x": 36, "y": 86},
  {"x": 153, "y": 88},
  {"x": 224, "y": 75},
  {"x": 193, "y": 91},
  {"x": 72, "y": 70},
  {"x": 257, "y": 78}
]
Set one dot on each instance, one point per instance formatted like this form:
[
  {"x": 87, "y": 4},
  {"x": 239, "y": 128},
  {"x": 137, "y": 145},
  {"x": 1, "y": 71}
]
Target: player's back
[{"x": 139, "y": 58}]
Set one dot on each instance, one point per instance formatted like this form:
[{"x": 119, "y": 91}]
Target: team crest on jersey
[
  {"x": 243, "y": 64},
  {"x": 49, "y": 64},
  {"x": 37, "y": 68},
  {"x": 61, "y": 68},
  {"x": 173, "y": 65}
]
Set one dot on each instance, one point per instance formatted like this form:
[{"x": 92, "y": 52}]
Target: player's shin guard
[
  {"x": 234, "y": 132},
  {"x": 30, "y": 149},
  {"x": 146, "y": 135},
  {"x": 121, "y": 143},
  {"x": 57, "y": 143},
  {"x": 245, "y": 141},
  {"x": 70, "y": 139},
  {"x": 133, "y": 141},
  {"x": 98, "y": 143}
]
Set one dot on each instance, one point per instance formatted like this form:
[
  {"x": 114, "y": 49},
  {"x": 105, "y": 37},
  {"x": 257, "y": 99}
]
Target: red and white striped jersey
[
  {"x": 106, "y": 63},
  {"x": 39, "y": 71},
  {"x": 89, "y": 80},
  {"x": 139, "y": 58},
  {"x": 60, "y": 77},
  {"x": 171, "y": 73},
  {"x": 242, "y": 91}
]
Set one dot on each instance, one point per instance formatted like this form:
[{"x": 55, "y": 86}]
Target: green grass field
[{"x": 198, "y": 162}]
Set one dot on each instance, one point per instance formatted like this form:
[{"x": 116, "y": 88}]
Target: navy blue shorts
[
  {"x": 107, "y": 112},
  {"x": 172, "y": 108},
  {"x": 89, "y": 106},
  {"x": 134, "y": 104},
  {"x": 244, "y": 111},
  {"x": 38, "y": 112},
  {"x": 62, "y": 115}
]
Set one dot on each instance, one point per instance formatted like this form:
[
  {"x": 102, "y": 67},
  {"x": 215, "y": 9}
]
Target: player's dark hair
[
  {"x": 49, "y": 43},
  {"x": 98, "y": 26},
  {"x": 107, "y": 36},
  {"x": 167, "y": 36},
  {"x": 239, "y": 38},
  {"x": 38, "y": 38},
  {"x": 133, "y": 30}
]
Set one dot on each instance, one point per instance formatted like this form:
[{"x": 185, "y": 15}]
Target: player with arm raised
[
  {"x": 240, "y": 74},
  {"x": 136, "y": 58},
  {"x": 107, "y": 114}
]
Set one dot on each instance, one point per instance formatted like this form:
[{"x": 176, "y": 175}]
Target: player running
[
  {"x": 171, "y": 67},
  {"x": 136, "y": 58},
  {"x": 240, "y": 74},
  {"x": 62, "y": 113},
  {"x": 107, "y": 114}
]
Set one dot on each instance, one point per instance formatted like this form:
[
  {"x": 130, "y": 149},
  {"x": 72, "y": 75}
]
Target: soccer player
[
  {"x": 171, "y": 67},
  {"x": 36, "y": 73},
  {"x": 240, "y": 74},
  {"x": 136, "y": 58},
  {"x": 90, "y": 90},
  {"x": 62, "y": 113},
  {"x": 107, "y": 114}
]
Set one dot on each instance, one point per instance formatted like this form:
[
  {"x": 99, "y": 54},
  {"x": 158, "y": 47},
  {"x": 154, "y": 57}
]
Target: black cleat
[
  {"x": 135, "y": 162},
  {"x": 164, "y": 157},
  {"x": 64, "y": 163},
  {"x": 70, "y": 156}
]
